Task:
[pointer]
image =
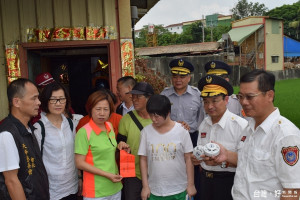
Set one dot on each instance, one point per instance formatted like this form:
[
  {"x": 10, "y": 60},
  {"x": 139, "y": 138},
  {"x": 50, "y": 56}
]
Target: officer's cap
[
  {"x": 212, "y": 85},
  {"x": 217, "y": 68},
  {"x": 181, "y": 67}
]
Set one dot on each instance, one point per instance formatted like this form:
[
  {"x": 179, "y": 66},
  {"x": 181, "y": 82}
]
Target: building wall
[
  {"x": 161, "y": 65},
  {"x": 225, "y": 17},
  {"x": 250, "y": 57},
  {"x": 18, "y": 15},
  {"x": 3, "y": 80},
  {"x": 125, "y": 19},
  {"x": 274, "y": 44},
  {"x": 248, "y": 21},
  {"x": 212, "y": 20},
  {"x": 224, "y": 22},
  {"x": 273, "y": 41},
  {"x": 185, "y": 25},
  {"x": 175, "y": 29}
]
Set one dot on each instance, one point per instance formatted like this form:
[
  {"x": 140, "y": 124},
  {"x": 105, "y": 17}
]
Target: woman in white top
[
  {"x": 58, "y": 146},
  {"x": 165, "y": 155}
]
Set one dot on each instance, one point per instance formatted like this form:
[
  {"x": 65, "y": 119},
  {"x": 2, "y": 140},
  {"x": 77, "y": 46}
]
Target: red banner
[
  {"x": 13, "y": 62},
  {"x": 127, "y": 164}
]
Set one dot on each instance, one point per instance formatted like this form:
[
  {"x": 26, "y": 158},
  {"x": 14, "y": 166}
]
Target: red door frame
[{"x": 113, "y": 55}]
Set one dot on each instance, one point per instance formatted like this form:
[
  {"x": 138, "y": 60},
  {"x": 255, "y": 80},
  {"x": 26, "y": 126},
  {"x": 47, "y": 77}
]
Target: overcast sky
[{"x": 176, "y": 11}]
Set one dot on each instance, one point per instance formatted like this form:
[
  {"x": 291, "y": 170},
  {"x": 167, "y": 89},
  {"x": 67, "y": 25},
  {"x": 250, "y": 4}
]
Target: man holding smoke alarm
[{"x": 220, "y": 126}]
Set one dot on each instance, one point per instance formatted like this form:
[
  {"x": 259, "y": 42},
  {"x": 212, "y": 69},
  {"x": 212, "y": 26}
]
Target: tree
[
  {"x": 196, "y": 32},
  {"x": 141, "y": 40},
  {"x": 164, "y": 37},
  {"x": 245, "y": 9},
  {"x": 219, "y": 30},
  {"x": 291, "y": 18},
  {"x": 191, "y": 34}
]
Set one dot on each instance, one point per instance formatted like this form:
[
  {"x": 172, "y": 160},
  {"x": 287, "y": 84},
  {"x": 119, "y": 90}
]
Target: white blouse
[{"x": 58, "y": 157}]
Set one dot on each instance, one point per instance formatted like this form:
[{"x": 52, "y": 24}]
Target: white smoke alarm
[
  {"x": 198, "y": 152},
  {"x": 211, "y": 149}
]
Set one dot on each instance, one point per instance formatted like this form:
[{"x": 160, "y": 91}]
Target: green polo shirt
[
  {"x": 100, "y": 152},
  {"x": 128, "y": 128}
]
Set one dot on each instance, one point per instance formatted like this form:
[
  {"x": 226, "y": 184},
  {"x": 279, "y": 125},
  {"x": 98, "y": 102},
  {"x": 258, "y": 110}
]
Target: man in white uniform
[
  {"x": 223, "y": 70},
  {"x": 220, "y": 126},
  {"x": 267, "y": 165}
]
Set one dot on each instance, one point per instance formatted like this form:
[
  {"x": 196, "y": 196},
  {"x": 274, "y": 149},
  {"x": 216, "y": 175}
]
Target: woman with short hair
[
  {"x": 95, "y": 147},
  {"x": 55, "y": 135}
]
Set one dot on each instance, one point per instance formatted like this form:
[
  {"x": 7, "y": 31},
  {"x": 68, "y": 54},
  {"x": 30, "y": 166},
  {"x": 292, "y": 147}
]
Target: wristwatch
[{"x": 224, "y": 164}]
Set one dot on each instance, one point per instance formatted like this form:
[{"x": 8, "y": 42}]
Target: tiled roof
[{"x": 195, "y": 48}]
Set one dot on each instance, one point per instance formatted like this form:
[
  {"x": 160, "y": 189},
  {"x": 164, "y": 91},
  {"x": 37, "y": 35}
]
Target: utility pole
[
  {"x": 151, "y": 36},
  {"x": 203, "y": 38},
  {"x": 211, "y": 31}
]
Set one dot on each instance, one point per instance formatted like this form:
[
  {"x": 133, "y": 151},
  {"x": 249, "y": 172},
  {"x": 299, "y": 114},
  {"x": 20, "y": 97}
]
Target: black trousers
[
  {"x": 216, "y": 185},
  {"x": 132, "y": 188},
  {"x": 197, "y": 181},
  {"x": 70, "y": 197}
]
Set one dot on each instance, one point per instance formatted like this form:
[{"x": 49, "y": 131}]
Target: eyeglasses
[
  {"x": 249, "y": 97},
  {"x": 61, "y": 100}
]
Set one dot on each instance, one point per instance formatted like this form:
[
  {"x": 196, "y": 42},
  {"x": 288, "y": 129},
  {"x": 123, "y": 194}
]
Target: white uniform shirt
[
  {"x": 165, "y": 158},
  {"x": 268, "y": 162},
  {"x": 9, "y": 155},
  {"x": 58, "y": 157},
  {"x": 125, "y": 109},
  {"x": 228, "y": 132}
]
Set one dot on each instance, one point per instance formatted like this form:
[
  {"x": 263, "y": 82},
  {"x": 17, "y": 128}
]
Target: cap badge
[
  {"x": 208, "y": 79},
  {"x": 46, "y": 76},
  {"x": 212, "y": 65},
  {"x": 180, "y": 63}
]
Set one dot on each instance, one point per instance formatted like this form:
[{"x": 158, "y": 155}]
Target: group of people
[{"x": 57, "y": 156}]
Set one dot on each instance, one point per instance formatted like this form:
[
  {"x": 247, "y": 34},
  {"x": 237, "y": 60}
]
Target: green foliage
[
  {"x": 244, "y": 9},
  {"x": 291, "y": 16},
  {"x": 287, "y": 99},
  {"x": 195, "y": 30},
  {"x": 219, "y": 30},
  {"x": 141, "y": 40},
  {"x": 190, "y": 34},
  {"x": 165, "y": 39},
  {"x": 143, "y": 73}
]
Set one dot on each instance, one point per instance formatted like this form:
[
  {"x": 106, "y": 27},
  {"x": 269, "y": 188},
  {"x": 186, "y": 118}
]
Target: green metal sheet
[{"x": 240, "y": 34}]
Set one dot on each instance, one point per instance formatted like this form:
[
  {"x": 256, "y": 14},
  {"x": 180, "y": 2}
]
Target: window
[
  {"x": 275, "y": 27},
  {"x": 275, "y": 59}
]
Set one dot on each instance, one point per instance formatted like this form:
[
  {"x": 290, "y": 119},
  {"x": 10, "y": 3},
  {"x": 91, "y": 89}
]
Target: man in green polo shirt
[{"x": 129, "y": 136}]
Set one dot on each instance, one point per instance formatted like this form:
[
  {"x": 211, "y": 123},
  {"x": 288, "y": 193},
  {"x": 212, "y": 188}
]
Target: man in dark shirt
[{"x": 22, "y": 172}]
